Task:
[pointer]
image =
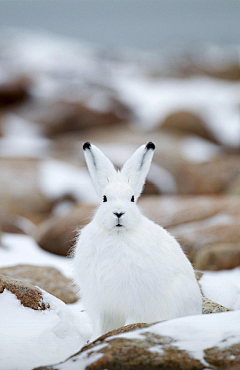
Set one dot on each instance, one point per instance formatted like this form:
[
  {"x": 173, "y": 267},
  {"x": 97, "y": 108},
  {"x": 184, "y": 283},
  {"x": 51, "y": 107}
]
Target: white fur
[{"x": 136, "y": 272}]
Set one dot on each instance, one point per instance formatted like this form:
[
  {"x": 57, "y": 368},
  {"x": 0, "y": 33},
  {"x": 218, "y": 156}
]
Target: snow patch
[
  {"x": 196, "y": 149},
  {"x": 222, "y": 287},
  {"x": 57, "y": 179},
  {"x": 40, "y": 337},
  {"x": 18, "y": 249}
]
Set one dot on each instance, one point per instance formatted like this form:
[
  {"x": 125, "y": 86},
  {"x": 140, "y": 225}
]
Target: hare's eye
[
  {"x": 104, "y": 198},
  {"x": 132, "y": 199}
]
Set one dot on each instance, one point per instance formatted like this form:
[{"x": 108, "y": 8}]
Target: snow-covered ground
[
  {"x": 48, "y": 337},
  {"x": 30, "y": 338}
]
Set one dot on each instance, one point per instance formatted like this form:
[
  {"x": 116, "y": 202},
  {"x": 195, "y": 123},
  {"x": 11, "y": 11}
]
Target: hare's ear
[
  {"x": 100, "y": 167},
  {"x": 137, "y": 166}
]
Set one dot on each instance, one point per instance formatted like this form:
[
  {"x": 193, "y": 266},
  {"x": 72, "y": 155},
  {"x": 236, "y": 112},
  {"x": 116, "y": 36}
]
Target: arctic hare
[{"x": 128, "y": 268}]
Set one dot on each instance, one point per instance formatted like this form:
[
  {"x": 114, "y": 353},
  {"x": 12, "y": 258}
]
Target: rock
[
  {"x": 47, "y": 278},
  {"x": 198, "y": 275},
  {"x": 29, "y": 295},
  {"x": 14, "y": 90},
  {"x": 209, "y": 307},
  {"x": 210, "y": 177},
  {"x": 234, "y": 367},
  {"x": 196, "y": 221},
  {"x": 170, "y": 211},
  {"x": 58, "y": 233},
  {"x": 56, "y": 117},
  {"x": 234, "y": 187},
  {"x": 188, "y": 123},
  {"x": 230, "y": 72},
  {"x": 182, "y": 343},
  {"x": 221, "y": 228},
  {"x": 19, "y": 183},
  {"x": 11, "y": 224},
  {"x": 123, "y": 329},
  {"x": 216, "y": 257}
]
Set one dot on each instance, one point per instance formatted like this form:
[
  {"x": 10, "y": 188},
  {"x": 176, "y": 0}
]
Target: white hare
[{"x": 128, "y": 268}]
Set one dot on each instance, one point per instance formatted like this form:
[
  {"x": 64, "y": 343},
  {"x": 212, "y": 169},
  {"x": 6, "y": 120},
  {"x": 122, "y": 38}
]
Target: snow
[
  {"x": 222, "y": 287},
  {"x": 22, "y": 139},
  {"x": 214, "y": 100},
  {"x": 196, "y": 149},
  {"x": 38, "y": 337},
  {"x": 22, "y": 249},
  {"x": 30, "y": 338},
  {"x": 57, "y": 179}
]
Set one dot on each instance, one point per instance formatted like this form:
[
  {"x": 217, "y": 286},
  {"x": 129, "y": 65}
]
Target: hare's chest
[{"x": 119, "y": 263}]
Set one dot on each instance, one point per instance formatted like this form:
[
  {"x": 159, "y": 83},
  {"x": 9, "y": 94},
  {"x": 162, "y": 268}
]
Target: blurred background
[{"x": 119, "y": 74}]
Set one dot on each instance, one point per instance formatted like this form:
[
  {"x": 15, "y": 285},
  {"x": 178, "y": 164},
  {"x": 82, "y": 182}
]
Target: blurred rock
[
  {"x": 221, "y": 228},
  {"x": 47, "y": 278},
  {"x": 10, "y": 224},
  {"x": 57, "y": 117},
  {"x": 14, "y": 90},
  {"x": 150, "y": 188},
  {"x": 29, "y": 295},
  {"x": 169, "y": 211},
  {"x": 58, "y": 233},
  {"x": 230, "y": 72},
  {"x": 216, "y": 257},
  {"x": 188, "y": 123},
  {"x": 210, "y": 177},
  {"x": 19, "y": 183},
  {"x": 234, "y": 187},
  {"x": 196, "y": 221},
  {"x": 209, "y": 307}
]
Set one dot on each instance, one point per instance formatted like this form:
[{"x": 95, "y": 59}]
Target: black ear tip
[
  {"x": 150, "y": 145},
  {"x": 86, "y": 145}
]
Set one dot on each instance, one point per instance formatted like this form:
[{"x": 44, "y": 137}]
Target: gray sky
[{"x": 137, "y": 24}]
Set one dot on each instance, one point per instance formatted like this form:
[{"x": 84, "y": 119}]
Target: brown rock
[
  {"x": 11, "y": 224},
  {"x": 210, "y": 307},
  {"x": 58, "y": 234},
  {"x": 196, "y": 221},
  {"x": 234, "y": 367},
  {"x": 29, "y": 295},
  {"x": 14, "y": 90},
  {"x": 230, "y": 72},
  {"x": 56, "y": 117},
  {"x": 194, "y": 236},
  {"x": 215, "y": 176},
  {"x": 218, "y": 257},
  {"x": 47, "y": 278},
  {"x": 170, "y": 211},
  {"x": 219, "y": 358},
  {"x": 188, "y": 123},
  {"x": 123, "y": 329},
  {"x": 234, "y": 187},
  {"x": 150, "y": 189},
  {"x": 20, "y": 193}
]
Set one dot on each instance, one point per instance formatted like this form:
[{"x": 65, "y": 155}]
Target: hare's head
[{"x": 118, "y": 190}]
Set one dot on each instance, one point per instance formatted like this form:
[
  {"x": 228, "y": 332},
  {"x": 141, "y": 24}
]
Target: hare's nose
[{"x": 118, "y": 214}]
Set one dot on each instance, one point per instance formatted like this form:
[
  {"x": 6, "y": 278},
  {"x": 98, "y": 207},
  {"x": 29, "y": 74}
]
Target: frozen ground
[{"x": 47, "y": 337}]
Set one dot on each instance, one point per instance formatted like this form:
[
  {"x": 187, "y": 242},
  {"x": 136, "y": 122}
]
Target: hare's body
[{"x": 129, "y": 269}]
